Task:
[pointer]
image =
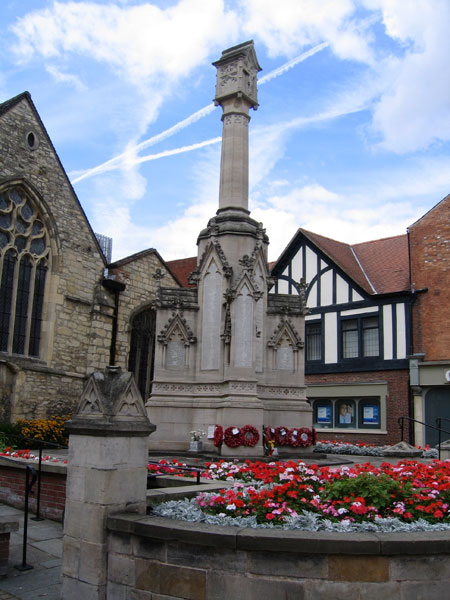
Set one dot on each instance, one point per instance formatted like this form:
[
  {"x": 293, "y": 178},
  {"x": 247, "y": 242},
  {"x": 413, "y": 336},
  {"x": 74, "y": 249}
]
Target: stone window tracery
[{"x": 24, "y": 262}]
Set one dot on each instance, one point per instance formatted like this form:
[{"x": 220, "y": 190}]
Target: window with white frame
[
  {"x": 313, "y": 336},
  {"x": 24, "y": 262},
  {"x": 360, "y": 337}
]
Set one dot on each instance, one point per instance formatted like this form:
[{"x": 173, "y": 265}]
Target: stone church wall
[
  {"x": 76, "y": 316},
  {"x": 141, "y": 287}
]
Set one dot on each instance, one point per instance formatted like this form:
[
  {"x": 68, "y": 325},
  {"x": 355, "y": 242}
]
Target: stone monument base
[{"x": 179, "y": 408}]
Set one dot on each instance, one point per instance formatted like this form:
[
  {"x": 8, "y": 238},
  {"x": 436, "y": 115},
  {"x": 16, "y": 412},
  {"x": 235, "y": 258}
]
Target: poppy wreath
[
  {"x": 232, "y": 439},
  {"x": 305, "y": 436},
  {"x": 293, "y": 437},
  {"x": 281, "y": 436},
  {"x": 250, "y": 435},
  {"x": 314, "y": 437},
  {"x": 218, "y": 436}
]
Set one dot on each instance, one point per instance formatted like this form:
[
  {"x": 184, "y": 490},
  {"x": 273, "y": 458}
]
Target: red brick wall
[
  {"x": 396, "y": 403},
  {"x": 53, "y": 491},
  {"x": 429, "y": 243}
]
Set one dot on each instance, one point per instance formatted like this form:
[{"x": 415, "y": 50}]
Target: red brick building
[{"x": 429, "y": 246}]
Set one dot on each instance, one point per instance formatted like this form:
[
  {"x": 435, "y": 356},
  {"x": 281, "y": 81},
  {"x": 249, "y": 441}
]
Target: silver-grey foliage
[{"x": 187, "y": 510}]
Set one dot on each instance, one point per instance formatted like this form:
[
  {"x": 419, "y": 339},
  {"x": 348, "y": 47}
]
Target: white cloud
[
  {"x": 414, "y": 109},
  {"x": 289, "y": 25},
  {"x": 139, "y": 42},
  {"x": 69, "y": 78}
]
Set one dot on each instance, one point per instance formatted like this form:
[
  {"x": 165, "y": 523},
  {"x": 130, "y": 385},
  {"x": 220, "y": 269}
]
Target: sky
[{"x": 351, "y": 139}]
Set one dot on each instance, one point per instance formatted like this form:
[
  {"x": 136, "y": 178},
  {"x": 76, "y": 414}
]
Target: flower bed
[
  {"x": 362, "y": 449},
  {"x": 409, "y": 495}
]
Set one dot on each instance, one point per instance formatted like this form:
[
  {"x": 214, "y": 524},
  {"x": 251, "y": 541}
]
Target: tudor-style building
[{"x": 357, "y": 332}]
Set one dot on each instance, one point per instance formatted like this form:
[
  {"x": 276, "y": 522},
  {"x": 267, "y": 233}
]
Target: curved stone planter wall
[{"x": 153, "y": 557}]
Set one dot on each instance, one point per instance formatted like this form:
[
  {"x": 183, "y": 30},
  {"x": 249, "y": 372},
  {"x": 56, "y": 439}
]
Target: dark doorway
[
  {"x": 142, "y": 349},
  {"x": 437, "y": 404}
]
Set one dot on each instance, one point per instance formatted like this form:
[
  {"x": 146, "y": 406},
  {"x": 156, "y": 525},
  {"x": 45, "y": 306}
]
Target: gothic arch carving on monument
[
  {"x": 176, "y": 337},
  {"x": 91, "y": 402},
  {"x": 214, "y": 249},
  {"x": 285, "y": 344},
  {"x": 129, "y": 404}
]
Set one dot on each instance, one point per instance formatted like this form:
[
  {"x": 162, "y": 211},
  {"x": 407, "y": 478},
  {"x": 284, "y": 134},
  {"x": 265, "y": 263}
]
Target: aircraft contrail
[{"x": 127, "y": 157}]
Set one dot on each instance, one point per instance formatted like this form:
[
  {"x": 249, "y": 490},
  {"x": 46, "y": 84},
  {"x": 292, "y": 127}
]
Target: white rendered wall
[
  {"x": 388, "y": 352},
  {"x": 401, "y": 331},
  {"x": 331, "y": 338}
]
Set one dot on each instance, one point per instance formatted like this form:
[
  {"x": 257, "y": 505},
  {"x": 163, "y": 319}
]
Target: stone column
[
  {"x": 106, "y": 473},
  {"x": 236, "y": 92}
]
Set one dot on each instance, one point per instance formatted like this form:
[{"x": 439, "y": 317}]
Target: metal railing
[
  {"x": 30, "y": 472},
  {"x": 439, "y": 429},
  {"x": 39, "y": 445},
  {"x": 439, "y": 423}
]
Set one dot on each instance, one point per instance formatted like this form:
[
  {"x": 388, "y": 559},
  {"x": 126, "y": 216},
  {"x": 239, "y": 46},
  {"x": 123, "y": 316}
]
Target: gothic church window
[
  {"x": 24, "y": 262},
  {"x": 142, "y": 348}
]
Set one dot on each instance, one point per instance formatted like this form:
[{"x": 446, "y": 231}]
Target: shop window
[
  {"x": 346, "y": 413},
  {"x": 24, "y": 259}
]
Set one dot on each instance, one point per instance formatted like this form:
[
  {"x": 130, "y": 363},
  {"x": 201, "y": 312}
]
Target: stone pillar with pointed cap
[
  {"x": 228, "y": 352},
  {"x": 106, "y": 473}
]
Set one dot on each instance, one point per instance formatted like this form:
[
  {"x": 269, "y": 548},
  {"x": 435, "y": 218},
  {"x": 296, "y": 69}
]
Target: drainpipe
[{"x": 116, "y": 287}]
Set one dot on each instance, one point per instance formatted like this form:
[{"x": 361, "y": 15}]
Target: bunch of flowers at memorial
[
  {"x": 196, "y": 435},
  {"x": 276, "y": 492}
]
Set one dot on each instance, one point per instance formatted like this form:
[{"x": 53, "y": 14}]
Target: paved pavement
[{"x": 44, "y": 551}]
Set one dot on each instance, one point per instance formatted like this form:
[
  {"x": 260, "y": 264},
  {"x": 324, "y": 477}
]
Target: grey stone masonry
[
  {"x": 106, "y": 473},
  {"x": 153, "y": 557}
]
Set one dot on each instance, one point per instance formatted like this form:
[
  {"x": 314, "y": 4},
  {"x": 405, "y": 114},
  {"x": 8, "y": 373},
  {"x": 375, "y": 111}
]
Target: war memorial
[{"x": 230, "y": 354}]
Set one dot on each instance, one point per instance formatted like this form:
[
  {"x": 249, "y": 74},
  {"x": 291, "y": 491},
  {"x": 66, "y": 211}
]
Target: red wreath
[
  {"x": 250, "y": 435},
  {"x": 293, "y": 437},
  {"x": 305, "y": 436},
  {"x": 233, "y": 440},
  {"x": 314, "y": 437},
  {"x": 281, "y": 436},
  {"x": 218, "y": 436}
]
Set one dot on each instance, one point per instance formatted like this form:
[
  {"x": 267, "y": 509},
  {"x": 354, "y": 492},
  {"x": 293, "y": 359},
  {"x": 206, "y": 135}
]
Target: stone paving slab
[{"x": 44, "y": 552}]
